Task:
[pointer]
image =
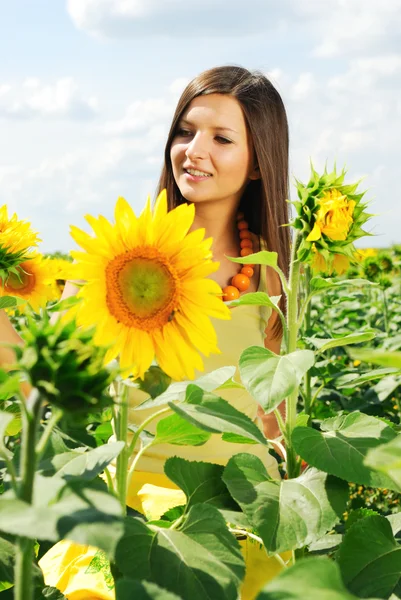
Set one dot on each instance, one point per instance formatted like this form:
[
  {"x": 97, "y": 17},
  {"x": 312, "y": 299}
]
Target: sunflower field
[{"x": 142, "y": 320}]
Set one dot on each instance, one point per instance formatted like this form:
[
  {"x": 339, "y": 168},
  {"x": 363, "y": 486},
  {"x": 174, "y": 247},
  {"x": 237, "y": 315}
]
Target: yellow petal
[{"x": 315, "y": 234}]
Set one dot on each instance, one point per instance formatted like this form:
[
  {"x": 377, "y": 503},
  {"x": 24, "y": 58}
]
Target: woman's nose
[{"x": 196, "y": 148}]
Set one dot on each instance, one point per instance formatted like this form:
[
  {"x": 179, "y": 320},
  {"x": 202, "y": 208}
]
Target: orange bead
[
  {"x": 252, "y": 266},
  {"x": 246, "y": 251},
  {"x": 245, "y": 234},
  {"x": 242, "y": 282},
  {"x": 230, "y": 293},
  {"x": 247, "y": 270},
  {"x": 246, "y": 243},
  {"x": 240, "y": 216},
  {"x": 242, "y": 225}
]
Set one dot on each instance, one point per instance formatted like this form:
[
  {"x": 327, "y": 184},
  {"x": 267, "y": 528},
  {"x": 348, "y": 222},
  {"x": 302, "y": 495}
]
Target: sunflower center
[
  {"x": 25, "y": 282},
  {"x": 141, "y": 288}
]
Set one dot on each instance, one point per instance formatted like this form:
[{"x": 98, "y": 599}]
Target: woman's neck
[{"x": 219, "y": 224}]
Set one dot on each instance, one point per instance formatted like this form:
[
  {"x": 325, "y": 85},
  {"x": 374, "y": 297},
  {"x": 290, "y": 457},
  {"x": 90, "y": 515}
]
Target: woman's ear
[{"x": 255, "y": 173}]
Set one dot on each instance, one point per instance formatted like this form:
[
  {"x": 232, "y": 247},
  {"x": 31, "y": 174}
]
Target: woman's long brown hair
[{"x": 264, "y": 202}]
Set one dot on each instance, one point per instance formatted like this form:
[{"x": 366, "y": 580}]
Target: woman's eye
[
  {"x": 183, "y": 132},
  {"x": 223, "y": 140}
]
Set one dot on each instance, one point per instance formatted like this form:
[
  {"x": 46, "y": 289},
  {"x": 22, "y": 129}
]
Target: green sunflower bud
[
  {"x": 61, "y": 361},
  {"x": 371, "y": 269},
  {"x": 330, "y": 216}
]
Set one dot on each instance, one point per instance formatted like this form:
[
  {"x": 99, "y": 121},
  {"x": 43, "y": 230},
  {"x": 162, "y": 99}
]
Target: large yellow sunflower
[
  {"x": 147, "y": 289},
  {"x": 34, "y": 283},
  {"x": 15, "y": 236}
]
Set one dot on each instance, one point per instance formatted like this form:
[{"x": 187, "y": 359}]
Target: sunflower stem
[
  {"x": 28, "y": 461},
  {"x": 50, "y": 425},
  {"x": 121, "y": 425},
  {"x": 292, "y": 324}
]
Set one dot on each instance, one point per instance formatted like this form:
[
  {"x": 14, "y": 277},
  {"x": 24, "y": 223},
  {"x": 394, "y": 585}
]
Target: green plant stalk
[
  {"x": 385, "y": 305},
  {"x": 307, "y": 379},
  {"x": 292, "y": 324},
  {"x": 25, "y": 547},
  {"x": 144, "y": 448},
  {"x": 121, "y": 425}
]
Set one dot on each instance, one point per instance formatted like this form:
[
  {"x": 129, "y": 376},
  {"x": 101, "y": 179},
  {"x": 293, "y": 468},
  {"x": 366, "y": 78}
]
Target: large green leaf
[
  {"x": 387, "y": 459},
  {"x": 341, "y": 447},
  {"x": 309, "y": 579},
  {"x": 80, "y": 511},
  {"x": 323, "y": 344},
  {"x": 270, "y": 378},
  {"x": 287, "y": 514},
  {"x": 84, "y": 465},
  {"x": 201, "y": 560},
  {"x": 257, "y": 299},
  {"x": 211, "y": 413},
  {"x": 180, "y": 432},
  {"x": 200, "y": 481},
  {"x": 269, "y": 259},
  {"x": 177, "y": 391},
  {"x": 369, "y": 558},
  {"x": 129, "y": 589},
  {"x": 384, "y": 358}
]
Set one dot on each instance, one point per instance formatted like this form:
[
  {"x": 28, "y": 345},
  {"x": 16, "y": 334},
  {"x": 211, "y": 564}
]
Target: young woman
[{"x": 227, "y": 152}]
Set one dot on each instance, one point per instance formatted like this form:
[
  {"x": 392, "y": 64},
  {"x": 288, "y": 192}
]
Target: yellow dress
[{"x": 81, "y": 572}]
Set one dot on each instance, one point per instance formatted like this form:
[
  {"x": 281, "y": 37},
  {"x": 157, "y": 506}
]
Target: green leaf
[
  {"x": 200, "y": 481},
  {"x": 353, "y": 338},
  {"x": 84, "y": 465},
  {"x": 78, "y": 511},
  {"x": 270, "y": 378},
  {"x": 354, "y": 380},
  {"x": 269, "y": 259},
  {"x": 377, "y": 357},
  {"x": 177, "y": 391},
  {"x": 236, "y": 439},
  {"x": 52, "y": 593},
  {"x": 5, "y": 420},
  {"x": 256, "y": 299},
  {"x": 312, "y": 579},
  {"x": 129, "y": 589},
  {"x": 211, "y": 413},
  {"x": 10, "y": 302},
  {"x": 201, "y": 560},
  {"x": 369, "y": 558},
  {"x": 387, "y": 459},
  {"x": 180, "y": 432},
  {"x": 287, "y": 514},
  {"x": 63, "y": 305},
  {"x": 7, "y": 553},
  {"x": 341, "y": 447},
  {"x": 318, "y": 284}
]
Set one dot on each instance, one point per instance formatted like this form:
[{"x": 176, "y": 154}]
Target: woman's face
[{"x": 211, "y": 153}]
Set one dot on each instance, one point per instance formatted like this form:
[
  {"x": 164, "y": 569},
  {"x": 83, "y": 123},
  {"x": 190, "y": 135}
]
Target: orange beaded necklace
[{"x": 241, "y": 281}]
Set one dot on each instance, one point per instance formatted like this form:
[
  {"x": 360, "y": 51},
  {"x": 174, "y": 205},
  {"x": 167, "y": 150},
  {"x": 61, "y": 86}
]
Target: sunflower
[
  {"x": 60, "y": 271},
  {"x": 31, "y": 281},
  {"x": 147, "y": 289},
  {"x": 16, "y": 238},
  {"x": 329, "y": 219}
]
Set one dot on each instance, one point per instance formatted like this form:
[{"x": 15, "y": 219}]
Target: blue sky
[{"x": 88, "y": 87}]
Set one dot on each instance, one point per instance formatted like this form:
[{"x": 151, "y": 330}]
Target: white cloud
[
  {"x": 357, "y": 26},
  {"x": 303, "y": 87},
  {"x": 137, "y": 18},
  {"x": 139, "y": 116},
  {"x": 34, "y": 98}
]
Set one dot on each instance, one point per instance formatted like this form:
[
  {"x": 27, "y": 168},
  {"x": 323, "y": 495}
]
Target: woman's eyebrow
[{"x": 186, "y": 122}]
